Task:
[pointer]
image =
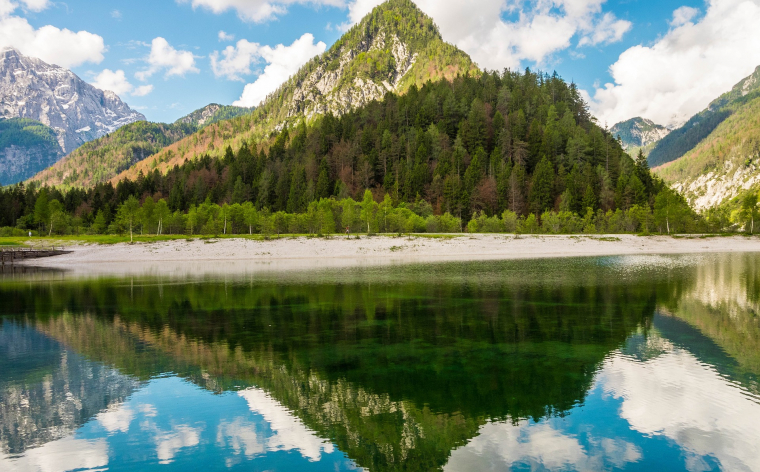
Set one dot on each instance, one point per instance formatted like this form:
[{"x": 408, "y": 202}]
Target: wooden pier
[{"x": 13, "y": 255}]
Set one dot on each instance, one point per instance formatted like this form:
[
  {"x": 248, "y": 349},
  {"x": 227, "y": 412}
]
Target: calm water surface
[{"x": 635, "y": 363}]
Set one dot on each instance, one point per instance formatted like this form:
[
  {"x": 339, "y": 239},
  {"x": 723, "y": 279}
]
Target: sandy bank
[{"x": 226, "y": 256}]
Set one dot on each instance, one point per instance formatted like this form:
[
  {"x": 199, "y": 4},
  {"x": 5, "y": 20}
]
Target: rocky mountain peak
[
  {"x": 639, "y": 133},
  {"x": 391, "y": 49},
  {"x": 75, "y": 110}
]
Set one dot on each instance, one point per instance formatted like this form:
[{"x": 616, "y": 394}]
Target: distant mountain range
[
  {"x": 639, "y": 134},
  {"x": 54, "y": 97},
  {"x": 213, "y": 113},
  {"x": 99, "y": 160},
  {"x": 716, "y": 155}
]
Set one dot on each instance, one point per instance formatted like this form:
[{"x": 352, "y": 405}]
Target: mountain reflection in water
[{"x": 577, "y": 364}]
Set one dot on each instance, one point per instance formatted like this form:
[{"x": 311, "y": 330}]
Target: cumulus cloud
[
  {"x": 35, "y": 5},
  {"x": 116, "y": 82},
  {"x": 282, "y": 62},
  {"x": 683, "y": 15},
  {"x": 608, "y": 30},
  {"x": 289, "y": 433},
  {"x": 541, "y": 446},
  {"x": 236, "y": 60},
  {"x": 53, "y": 45},
  {"x": 534, "y": 33},
  {"x": 687, "y": 68},
  {"x": 142, "y": 91},
  {"x": 225, "y": 37},
  {"x": 164, "y": 57},
  {"x": 256, "y": 10}
]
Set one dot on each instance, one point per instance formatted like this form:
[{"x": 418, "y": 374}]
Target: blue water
[{"x": 635, "y": 365}]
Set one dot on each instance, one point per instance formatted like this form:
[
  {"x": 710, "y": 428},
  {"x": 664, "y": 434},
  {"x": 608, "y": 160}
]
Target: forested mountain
[
  {"x": 639, "y": 133},
  {"x": 391, "y": 49},
  {"x": 212, "y": 113},
  {"x": 26, "y": 146},
  {"x": 99, "y": 160},
  {"x": 76, "y": 111},
  {"x": 684, "y": 139},
  {"x": 499, "y": 149},
  {"x": 725, "y": 158}
]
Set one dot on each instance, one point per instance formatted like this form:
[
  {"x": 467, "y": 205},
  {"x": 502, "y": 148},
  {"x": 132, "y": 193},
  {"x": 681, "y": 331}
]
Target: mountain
[
  {"x": 393, "y": 48},
  {"x": 725, "y": 161},
  {"x": 99, "y": 160},
  {"x": 212, "y": 113},
  {"x": 76, "y": 111},
  {"x": 684, "y": 139},
  {"x": 25, "y": 147},
  {"x": 639, "y": 134}
]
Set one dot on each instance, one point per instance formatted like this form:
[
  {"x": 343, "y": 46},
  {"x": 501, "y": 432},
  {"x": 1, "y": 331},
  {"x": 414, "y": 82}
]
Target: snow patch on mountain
[{"x": 76, "y": 110}]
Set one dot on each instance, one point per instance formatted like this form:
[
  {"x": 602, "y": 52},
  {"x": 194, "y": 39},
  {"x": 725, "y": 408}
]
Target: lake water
[{"x": 614, "y": 363}]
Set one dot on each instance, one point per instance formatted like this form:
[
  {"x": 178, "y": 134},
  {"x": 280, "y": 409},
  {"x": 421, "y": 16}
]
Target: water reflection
[{"x": 608, "y": 363}]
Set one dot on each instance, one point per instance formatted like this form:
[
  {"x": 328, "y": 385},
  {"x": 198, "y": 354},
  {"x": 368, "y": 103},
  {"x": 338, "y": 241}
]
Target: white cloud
[
  {"x": 59, "y": 456},
  {"x": 164, "y": 57},
  {"x": 116, "y": 82},
  {"x": 677, "y": 396},
  {"x": 687, "y": 68},
  {"x": 539, "y": 446},
  {"x": 282, "y": 62},
  {"x": 683, "y": 15},
  {"x": 116, "y": 419},
  {"x": 225, "y": 37},
  {"x": 288, "y": 432},
  {"x": 53, "y": 45},
  {"x": 116, "y": 14},
  {"x": 168, "y": 444},
  {"x": 541, "y": 28},
  {"x": 608, "y": 30},
  {"x": 256, "y": 10},
  {"x": 36, "y": 5},
  {"x": 237, "y": 60},
  {"x": 142, "y": 91}
]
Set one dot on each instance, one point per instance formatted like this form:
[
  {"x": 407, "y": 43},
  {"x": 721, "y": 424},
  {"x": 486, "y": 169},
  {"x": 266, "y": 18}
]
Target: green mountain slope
[
  {"x": 639, "y": 134},
  {"x": 393, "y": 48},
  {"x": 213, "y": 113},
  {"x": 99, "y": 160},
  {"x": 684, "y": 139},
  {"x": 26, "y": 147},
  {"x": 726, "y": 162}
]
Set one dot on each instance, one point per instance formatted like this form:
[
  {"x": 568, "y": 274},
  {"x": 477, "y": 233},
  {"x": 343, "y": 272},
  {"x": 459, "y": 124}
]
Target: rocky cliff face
[
  {"x": 211, "y": 114},
  {"x": 721, "y": 152},
  {"x": 18, "y": 163},
  {"x": 391, "y": 49},
  {"x": 77, "y": 111},
  {"x": 333, "y": 90},
  {"x": 639, "y": 133}
]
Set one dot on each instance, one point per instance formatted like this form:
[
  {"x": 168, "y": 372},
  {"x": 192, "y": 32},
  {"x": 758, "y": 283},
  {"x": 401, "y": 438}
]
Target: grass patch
[
  {"x": 437, "y": 236},
  {"x": 396, "y": 248}
]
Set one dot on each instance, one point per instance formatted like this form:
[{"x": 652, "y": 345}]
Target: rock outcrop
[{"x": 77, "y": 111}]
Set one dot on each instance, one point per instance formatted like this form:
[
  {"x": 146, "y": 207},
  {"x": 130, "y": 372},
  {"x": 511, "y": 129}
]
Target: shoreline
[{"x": 246, "y": 256}]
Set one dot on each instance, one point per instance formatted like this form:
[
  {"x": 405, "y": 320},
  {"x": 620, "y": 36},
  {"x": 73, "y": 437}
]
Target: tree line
[{"x": 470, "y": 149}]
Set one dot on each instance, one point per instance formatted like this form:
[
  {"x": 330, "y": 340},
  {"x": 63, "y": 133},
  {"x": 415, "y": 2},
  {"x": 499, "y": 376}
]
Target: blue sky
[{"x": 661, "y": 59}]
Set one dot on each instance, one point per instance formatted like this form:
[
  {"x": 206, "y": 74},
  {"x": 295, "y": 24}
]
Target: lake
[{"x": 611, "y": 363}]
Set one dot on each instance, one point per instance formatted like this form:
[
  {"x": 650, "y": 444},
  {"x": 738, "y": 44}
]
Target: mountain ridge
[
  {"x": 725, "y": 162},
  {"x": 685, "y": 138},
  {"x": 58, "y": 98},
  {"x": 639, "y": 134},
  {"x": 348, "y": 75}
]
